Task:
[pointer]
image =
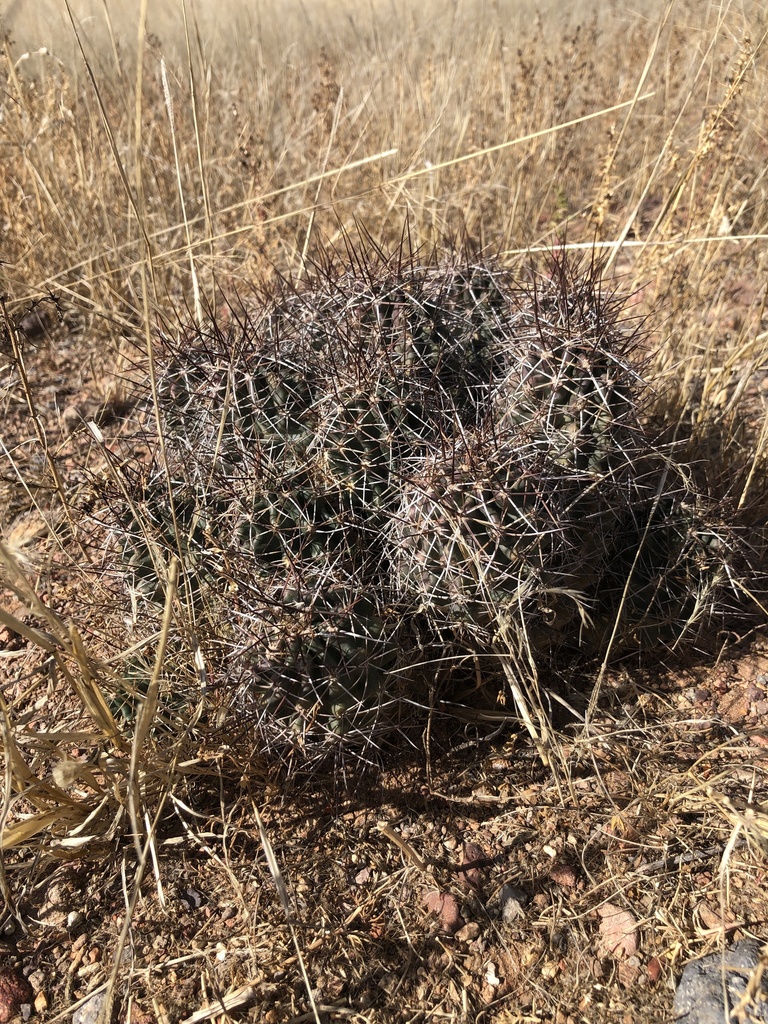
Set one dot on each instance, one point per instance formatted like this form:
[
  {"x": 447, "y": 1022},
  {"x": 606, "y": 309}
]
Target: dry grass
[{"x": 154, "y": 169}]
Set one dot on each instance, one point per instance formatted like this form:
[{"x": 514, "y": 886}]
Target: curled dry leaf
[
  {"x": 512, "y": 902},
  {"x": 446, "y": 906},
  {"x": 618, "y": 932},
  {"x": 14, "y": 991}
]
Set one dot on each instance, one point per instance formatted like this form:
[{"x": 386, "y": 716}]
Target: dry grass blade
[
  {"x": 406, "y": 847},
  {"x": 315, "y": 179},
  {"x": 147, "y": 711},
  {"x": 172, "y": 124},
  {"x": 86, "y": 685},
  {"x": 282, "y": 890},
  {"x": 530, "y": 137},
  {"x": 15, "y": 580},
  {"x": 105, "y": 120},
  {"x": 60, "y": 642},
  {"x": 232, "y": 1002}
]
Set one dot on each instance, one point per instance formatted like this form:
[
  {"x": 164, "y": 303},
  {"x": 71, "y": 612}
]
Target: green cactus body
[
  {"x": 354, "y": 449},
  {"x": 475, "y": 538},
  {"x": 329, "y": 654},
  {"x": 390, "y": 457}
]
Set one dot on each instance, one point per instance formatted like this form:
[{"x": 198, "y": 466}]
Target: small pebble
[
  {"x": 564, "y": 875},
  {"x": 469, "y": 932},
  {"x": 654, "y": 969},
  {"x": 629, "y": 971},
  {"x": 74, "y": 920},
  {"x": 389, "y": 982},
  {"x": 753, "y": 692},
  {"x": 550, "y": 970},
  {"x": 511, "y": 903}
]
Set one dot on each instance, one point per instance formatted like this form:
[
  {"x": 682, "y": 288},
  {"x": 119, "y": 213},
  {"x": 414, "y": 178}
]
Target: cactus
[
  {"x": 395, "y": 454},
  {"x": 325, "y": 656}
]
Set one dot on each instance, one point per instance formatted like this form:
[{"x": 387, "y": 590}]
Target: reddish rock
[
  {"x": 564, "y": 875},
  {"x": 14, "y": 990},
  {"x": 446, "y": 906}
]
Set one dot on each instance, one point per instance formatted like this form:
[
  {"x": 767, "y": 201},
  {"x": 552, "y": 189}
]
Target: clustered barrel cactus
[{"x": 384, "y": 463}]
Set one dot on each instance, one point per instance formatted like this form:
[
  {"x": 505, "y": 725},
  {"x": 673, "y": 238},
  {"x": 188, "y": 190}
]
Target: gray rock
[
  {"x": 511, "y": 903},
  {"x": 90, "y": 1011},
  {"x": 712, "y": 986}
]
